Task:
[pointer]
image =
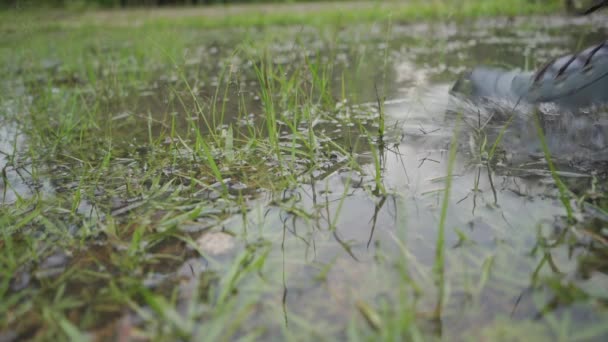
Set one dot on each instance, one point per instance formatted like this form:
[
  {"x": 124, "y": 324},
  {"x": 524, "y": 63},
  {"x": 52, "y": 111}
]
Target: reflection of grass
[
  {"x": 115, "y": 186},
  {"x": 121, "y": 190}
]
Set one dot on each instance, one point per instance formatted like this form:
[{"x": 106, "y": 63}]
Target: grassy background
[
  {"x": 318, "y": 13},
  {"x": 152, "y": 3}
]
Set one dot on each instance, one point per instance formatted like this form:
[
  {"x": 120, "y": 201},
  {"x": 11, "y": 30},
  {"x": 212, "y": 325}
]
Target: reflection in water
[
  {"x": 347, "y": 241},
  {"x": 342, "y": 231}
]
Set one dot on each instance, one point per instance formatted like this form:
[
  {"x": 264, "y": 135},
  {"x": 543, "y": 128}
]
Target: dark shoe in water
[{"x": 573, "y": 81}]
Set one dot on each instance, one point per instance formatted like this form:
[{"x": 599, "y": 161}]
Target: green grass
[
  {"x": 125, "y": 178},
  {"x": 440, "y": 260},
  {"x": 564, "y": 194},
  {"x": 315, "y": 14},
  {"x": 124, "y": 148}
]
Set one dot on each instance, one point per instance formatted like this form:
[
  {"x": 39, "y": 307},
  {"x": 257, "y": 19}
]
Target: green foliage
[
  {"x": 152, "y": 3},
  {"x": 127, "y": 3},
  {"x": 134, "y": 140}
]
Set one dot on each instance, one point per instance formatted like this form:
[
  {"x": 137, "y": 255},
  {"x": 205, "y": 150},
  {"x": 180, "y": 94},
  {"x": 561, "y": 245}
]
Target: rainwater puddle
[
  {"x": 511, "y": 264},
  {"x": 350, "y": 245}
]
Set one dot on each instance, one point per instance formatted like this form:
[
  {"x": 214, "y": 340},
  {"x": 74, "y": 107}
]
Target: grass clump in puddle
[{"x": 124, "y": 152}]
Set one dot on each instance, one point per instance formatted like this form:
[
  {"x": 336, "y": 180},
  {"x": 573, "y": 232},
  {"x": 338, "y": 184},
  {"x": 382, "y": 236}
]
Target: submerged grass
[
  {"x": 439, "y": 265},
  {"x": 132, "y": 150},
  {"x": 116, "y": 193},
  {"x": 561, "y": 187}
]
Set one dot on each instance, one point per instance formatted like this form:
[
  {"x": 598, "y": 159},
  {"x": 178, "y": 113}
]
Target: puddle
[
  {"x": 336, "y": 248},
  {"x": 506, "y": 257},
  {"x": 352, "y": 246}
]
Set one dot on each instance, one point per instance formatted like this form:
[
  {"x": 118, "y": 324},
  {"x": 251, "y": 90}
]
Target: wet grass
[
  {"x": 165, "y": 182},
  {"x": 563, "y": 191},
  {"x": 440, "y": 262},
  {"x": 104, "y": 198}
]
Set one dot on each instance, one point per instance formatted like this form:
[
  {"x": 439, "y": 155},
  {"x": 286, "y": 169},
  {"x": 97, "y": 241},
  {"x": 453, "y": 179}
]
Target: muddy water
[
  {"x": 338, "y": 245},
  {"x": 508, "y": 265}
]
